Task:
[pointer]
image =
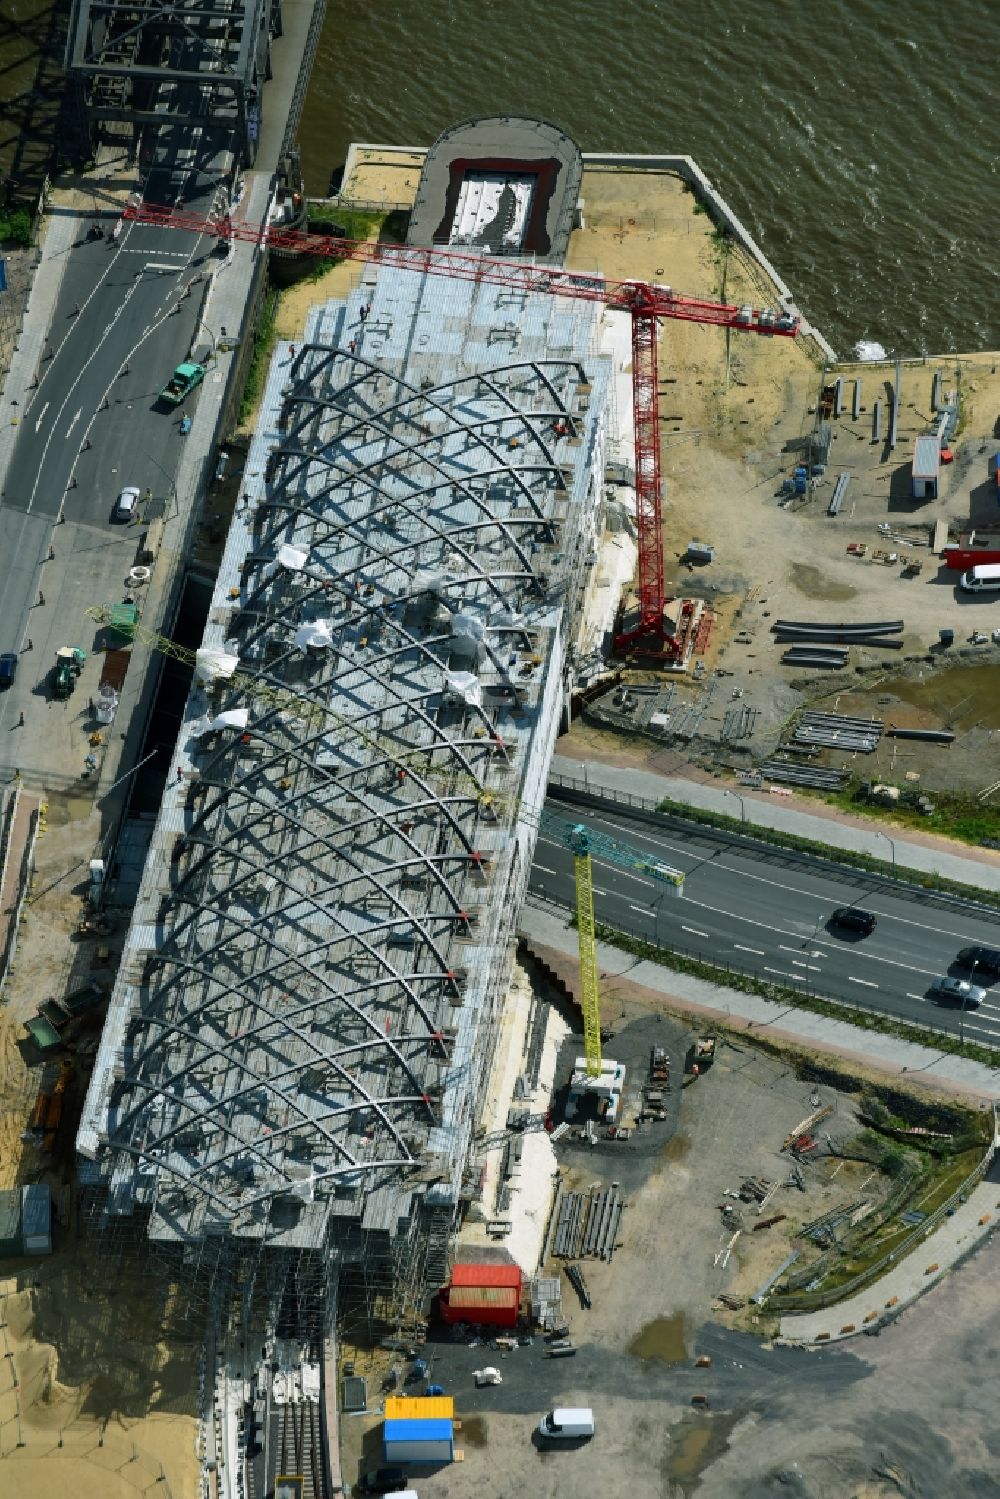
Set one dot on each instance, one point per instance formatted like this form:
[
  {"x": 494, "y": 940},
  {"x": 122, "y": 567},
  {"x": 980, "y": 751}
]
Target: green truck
[
  {"x": 69, "y": 664},
  {"x": 185, "y": 379}
]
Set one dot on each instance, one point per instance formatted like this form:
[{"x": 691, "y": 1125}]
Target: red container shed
[{"x": 482, "y": 1293}]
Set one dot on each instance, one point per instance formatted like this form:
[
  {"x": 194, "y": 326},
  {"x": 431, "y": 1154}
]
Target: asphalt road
[
  {"x": 94, "y": 417},
  {"x": 767, "y": 912}
]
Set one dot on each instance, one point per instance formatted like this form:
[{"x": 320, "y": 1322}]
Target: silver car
[
  {"x": 126, "y": 504},
  {"x": 960, "y": 990}
]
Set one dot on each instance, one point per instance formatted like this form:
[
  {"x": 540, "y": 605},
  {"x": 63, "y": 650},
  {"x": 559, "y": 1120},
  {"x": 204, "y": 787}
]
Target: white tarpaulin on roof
[
  {"x": 211, "y": 663},
  {"x": 318, "y": 634},
  {"x": 292, "y": 558},
  {"x": 467, "y": 631},
  {"x": 233, "y": 718},
  {"x": 466, "y": 687}
]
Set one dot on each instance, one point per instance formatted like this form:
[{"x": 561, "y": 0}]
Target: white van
[
  {"x": 566, "y": 1422},
  {"x": 982, "y": 579}
]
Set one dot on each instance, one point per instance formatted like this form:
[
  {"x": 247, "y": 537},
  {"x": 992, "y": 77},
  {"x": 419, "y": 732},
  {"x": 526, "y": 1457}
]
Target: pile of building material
[
  {"x": 803, "y": 775},
  {"x": 812, "y": 636},
  {"x": 831, "y": 656},
  {"x": 838, "y": 731},
  {"x": 588, "y": 1224}
]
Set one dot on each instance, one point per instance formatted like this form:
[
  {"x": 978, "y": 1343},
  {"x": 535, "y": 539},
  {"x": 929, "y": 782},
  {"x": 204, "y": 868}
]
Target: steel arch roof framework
[{"x": 296, "y": 1027}]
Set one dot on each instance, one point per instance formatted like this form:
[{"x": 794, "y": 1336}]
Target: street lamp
[
  {"x": 892, "y": 847},
  {"x": 743, "y": 810},
  {"x": 170, "y": 480}
]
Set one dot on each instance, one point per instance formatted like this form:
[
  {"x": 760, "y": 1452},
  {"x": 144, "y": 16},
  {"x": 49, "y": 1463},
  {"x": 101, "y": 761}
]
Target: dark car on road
[
  {"x": 983, "y": 961},
  {"x": 853, "y": 919},
  {"x": 8, "y": 670},
  {"x": 384, "y": 1481}
]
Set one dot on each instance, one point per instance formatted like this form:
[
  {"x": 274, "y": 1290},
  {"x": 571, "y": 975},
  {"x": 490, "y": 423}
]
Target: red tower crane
[{"x": 646, "y": 303}]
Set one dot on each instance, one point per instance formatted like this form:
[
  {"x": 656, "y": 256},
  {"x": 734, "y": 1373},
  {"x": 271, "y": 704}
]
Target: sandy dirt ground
[
  {"x": 866, "y": 1421},
  {"x": 97, "y": 1399},
  {"x": 90, "y": 1403}
]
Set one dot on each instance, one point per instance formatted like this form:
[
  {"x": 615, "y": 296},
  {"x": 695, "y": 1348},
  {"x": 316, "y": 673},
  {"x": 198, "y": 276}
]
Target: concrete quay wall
[{"x": 681, "y": 166}]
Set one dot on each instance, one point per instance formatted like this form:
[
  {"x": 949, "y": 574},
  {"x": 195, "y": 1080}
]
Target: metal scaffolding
[
  {"x": 197, "y": 64},
  {"x": 306, "y": 1011}
]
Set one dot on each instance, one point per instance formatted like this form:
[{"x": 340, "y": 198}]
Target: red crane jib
[{"x": 645, "y": 301}]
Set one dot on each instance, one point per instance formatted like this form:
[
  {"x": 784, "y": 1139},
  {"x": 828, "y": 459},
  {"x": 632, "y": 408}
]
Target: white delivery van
[
  {"x": 567, "y": 1421},
  {"x": 985, "y": 578}
]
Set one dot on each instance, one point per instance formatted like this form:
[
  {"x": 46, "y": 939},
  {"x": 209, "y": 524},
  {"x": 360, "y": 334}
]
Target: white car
[
  {"x": 960, "y": 990},
  {"x": 125, "y": 505}
]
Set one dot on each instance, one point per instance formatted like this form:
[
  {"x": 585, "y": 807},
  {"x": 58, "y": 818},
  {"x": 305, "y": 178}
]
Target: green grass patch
[
  {"x": 932, "y": 1190},
  {"x": 851, "y": 857},
  {"x": 352, "y": 222},
  {"x": 264, "y": 338},
  {"x": 816, "y": 1004},
  {"x": 954, "y": 816},
  {"x": 15, "y": 226}
]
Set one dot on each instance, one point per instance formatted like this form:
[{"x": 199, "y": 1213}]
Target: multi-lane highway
[
  {"x": 767, "y": 911},
  {"x": 92, "y": 424}
]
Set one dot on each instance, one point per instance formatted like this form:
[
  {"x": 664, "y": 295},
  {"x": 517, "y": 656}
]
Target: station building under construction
[{"x": 305, "y": 1015}]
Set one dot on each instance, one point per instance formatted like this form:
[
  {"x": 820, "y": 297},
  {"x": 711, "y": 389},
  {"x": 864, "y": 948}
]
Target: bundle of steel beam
[
  {"x": 875, "y": 627},
  {"x": 932, "y": 736},
  {"x": 803, "y": 775},
  {"x": 570, "y": 1226},
  {"x": 833, "y": 731},
  {"x": 588, "y": 1224},
  {"x": 837, "y": 637},
  {"x": 839, "y": 493},
  {"x": 817, "y": 655}
]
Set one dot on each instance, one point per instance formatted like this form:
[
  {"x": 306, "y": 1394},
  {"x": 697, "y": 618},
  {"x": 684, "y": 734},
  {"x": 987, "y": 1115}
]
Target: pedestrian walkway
[
  {"x": 788, "y": 814},
  {"x": 547, "y": 930},
  {"x": 945, "y": 1246},
  {"x": 59, "y": 236}
]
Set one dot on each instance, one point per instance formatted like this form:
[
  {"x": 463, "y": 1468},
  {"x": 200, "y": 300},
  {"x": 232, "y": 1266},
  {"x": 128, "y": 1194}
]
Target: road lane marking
[
  {"x": 69, "y": 429},
  {"x": 41, "y": 415},
  {"x": 867, "y": 982},
  {"x": 796, "y": 963},
  {"x": 695, "y": 930},
  {"x": 777, "y": 884},
  {"x": 922, "y": 997},
  {"x": 780, "y": 972},
  {"x": 758, "y": 950},
  {"x": 617, "y": 869},
  {"x": 544, "y": 870},
  {"x": 643, "y": 909}
]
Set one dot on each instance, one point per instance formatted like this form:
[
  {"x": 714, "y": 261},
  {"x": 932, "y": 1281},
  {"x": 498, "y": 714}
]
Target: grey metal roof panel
[{"x": 330, "y": 917}]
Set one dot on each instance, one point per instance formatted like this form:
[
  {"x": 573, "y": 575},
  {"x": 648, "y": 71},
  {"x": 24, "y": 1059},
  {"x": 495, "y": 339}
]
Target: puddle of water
[
  {"x": 962, "y": 695},
  {"x": 689, "y": 1453},
  {"x": 474, "y": 1431},
  {"x": 693, "y": 1448},
  {"x": 816, "y": 585},
  {"x": 677, "y": 1148},
  {"x": 664, "y": 1340}
]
